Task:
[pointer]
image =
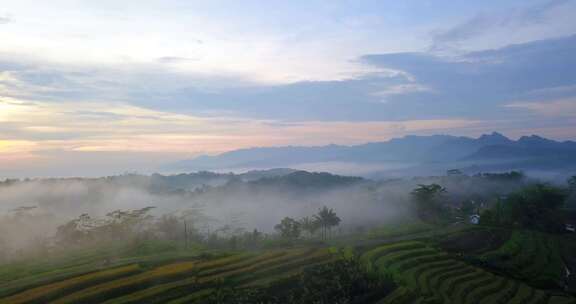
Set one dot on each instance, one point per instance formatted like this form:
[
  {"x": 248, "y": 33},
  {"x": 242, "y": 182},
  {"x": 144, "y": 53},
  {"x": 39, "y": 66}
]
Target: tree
[
  {"x": 571, "y": 200},
  {"x": 79, "y": 230},
  {"x": 326, "y": 218},
  {"x": 118, "y": 225},
  {"x": 454, "y": 172},
  {"x": 169, "y": 226},
  {"x": 468, "y": 208},
  {"x": 289, "y": 228},
  {"x": 572, "y": 183},
  {"x": 536, "y": 207},
  {"x": 4, "y": 250},
  {"x": 487, "y": 217},
  {"x": 429, "y": 202},
  {"x": 516, "y": 176},
  {"x": 23, "y": 211},
  {"x": 122, "y": 224},
  {"x": 309, "y": 225},
  {"x": 190, "y": 217},
  {"x": 255, "y": 236}
]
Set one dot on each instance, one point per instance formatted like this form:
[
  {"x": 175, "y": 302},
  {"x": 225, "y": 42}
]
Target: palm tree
[
  {"x": 309, "y": 225},
  {"x": 326, "y": 219}
]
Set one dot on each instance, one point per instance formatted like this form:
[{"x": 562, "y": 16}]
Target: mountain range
[{"x": 409, "y": 155}]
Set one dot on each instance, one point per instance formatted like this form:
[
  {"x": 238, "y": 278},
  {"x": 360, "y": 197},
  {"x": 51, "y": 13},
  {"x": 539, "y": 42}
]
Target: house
[{"x": 474, "y": 219}]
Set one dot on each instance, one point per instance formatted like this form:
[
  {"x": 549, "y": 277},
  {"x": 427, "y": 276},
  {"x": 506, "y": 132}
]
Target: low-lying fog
[
  {"x": 237, "y": 201},
  {"x": 237, "y": 204}
]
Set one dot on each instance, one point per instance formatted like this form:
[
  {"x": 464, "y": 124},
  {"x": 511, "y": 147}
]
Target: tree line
[
  {"x": 322, "y": 222},
  {"x": 539, "y": 206}
]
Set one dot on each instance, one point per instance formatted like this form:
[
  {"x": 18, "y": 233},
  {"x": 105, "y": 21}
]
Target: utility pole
[
  {"x": 185, "y": 235},
  {"x": 498, "y": 211},
  {"x": 501, "y": 198}
]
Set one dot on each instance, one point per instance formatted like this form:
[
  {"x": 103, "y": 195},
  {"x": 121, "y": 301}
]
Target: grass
[
  {"x": 436, "y": 277},
  {"x": 422, "y": 278},
  {"x": 48, "y": 292},
  {"x": 424, "y": 274},
  {"x": 193, "y": 297},
  {"x": 260, "y": 269},
  {"x": 380, "y": 251},
  {"x": 531, "y": 256},
  {"x": 205, "y": 272},
  {"x": 40, "y": 274},
  {"x": 400, "y": 295},
  {"x": 100, "y": 292},
  {"x": 398, "y": 229}
]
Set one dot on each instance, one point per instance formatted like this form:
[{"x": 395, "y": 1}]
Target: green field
[
  {"x": 421, "y": 271},
  {"x": 530, "y": 256},
  {"x": 167, "y": 281},
  {"x": 428, "y": 275}
]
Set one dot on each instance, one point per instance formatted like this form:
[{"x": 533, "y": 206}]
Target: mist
[{"x": 32, "y": 210}]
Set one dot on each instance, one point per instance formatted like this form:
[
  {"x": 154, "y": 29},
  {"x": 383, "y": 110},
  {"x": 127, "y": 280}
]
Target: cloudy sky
[{"x": 102, "y": 87}]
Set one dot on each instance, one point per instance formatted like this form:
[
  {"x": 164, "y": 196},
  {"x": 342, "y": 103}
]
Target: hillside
[
  {"x": 401, "y": 156},
  {"x": 433, "y": 270}
]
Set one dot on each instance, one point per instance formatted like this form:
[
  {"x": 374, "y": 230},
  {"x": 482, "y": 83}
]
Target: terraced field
[
  {"x": 18, "y": 277},
  {"x": 428, "y": 275},
  {"x": 187, "y": 281},
  {"x": 531, "y": 256},
  {"x": 423, "y": 274}
]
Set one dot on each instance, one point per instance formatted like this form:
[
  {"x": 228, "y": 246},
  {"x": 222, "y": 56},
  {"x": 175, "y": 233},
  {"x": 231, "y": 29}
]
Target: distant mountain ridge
[{"x": 421, "y": 150}]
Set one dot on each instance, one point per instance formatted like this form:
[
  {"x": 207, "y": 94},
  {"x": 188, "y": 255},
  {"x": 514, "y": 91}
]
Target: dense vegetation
[{"x": 519, "y": 253}]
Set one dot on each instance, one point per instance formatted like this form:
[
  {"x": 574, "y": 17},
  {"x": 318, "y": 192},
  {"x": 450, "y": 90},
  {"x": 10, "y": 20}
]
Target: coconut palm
[
  {"x": 309, "y": 225},
  {"x": 326, "y": 219}
]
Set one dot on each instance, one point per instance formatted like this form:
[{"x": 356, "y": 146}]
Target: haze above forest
[{"x": 33, "y": 209}]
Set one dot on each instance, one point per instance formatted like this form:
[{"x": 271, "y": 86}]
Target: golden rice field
[
  {"x": 424, "y": 274},
  {"x": 174, "y": 282}
]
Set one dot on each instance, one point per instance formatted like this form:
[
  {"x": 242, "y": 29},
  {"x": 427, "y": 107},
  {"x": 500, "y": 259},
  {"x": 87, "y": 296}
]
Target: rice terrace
[
  {"x": 287, "y": 152},
  {"x": 436, "y": 257}
]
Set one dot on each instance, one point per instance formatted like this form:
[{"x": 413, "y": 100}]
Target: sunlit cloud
[
  {"x": 144, "y": 82},
  {"x": 489, "y": 28},
  {"x": 118, "y": 127},
  {"x": 37, "y": 135},
  {"x": 553, "y": 108}
]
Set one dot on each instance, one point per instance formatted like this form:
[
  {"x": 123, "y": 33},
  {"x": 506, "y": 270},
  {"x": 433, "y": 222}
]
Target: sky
[{"x": 105, "y": 87}]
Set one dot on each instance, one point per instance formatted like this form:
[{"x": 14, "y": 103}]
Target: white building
[{"x": 475, "y": 219}]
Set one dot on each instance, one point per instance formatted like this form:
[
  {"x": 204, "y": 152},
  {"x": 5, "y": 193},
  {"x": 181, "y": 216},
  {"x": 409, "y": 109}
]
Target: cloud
[
  {"x": 554, "y": 91},
  {"x": 477, "y": 83},
  {"x": 403, "y": 89},
  {"x": 555, "y": 108},
  {"x": 174, "y": 59},
  {"x": 50, "y": 138},
  {"x": 474, "y": 86},
  {"x": 494, "y": 21},
  {"x": 118, "y": 127},
  {"x": 6, "y": 19},
  {"x": 160, "y": 88}
]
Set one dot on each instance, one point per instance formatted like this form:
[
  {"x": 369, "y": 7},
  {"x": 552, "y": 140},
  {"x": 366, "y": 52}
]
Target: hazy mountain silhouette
[{"x": 491, "y": 151}]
